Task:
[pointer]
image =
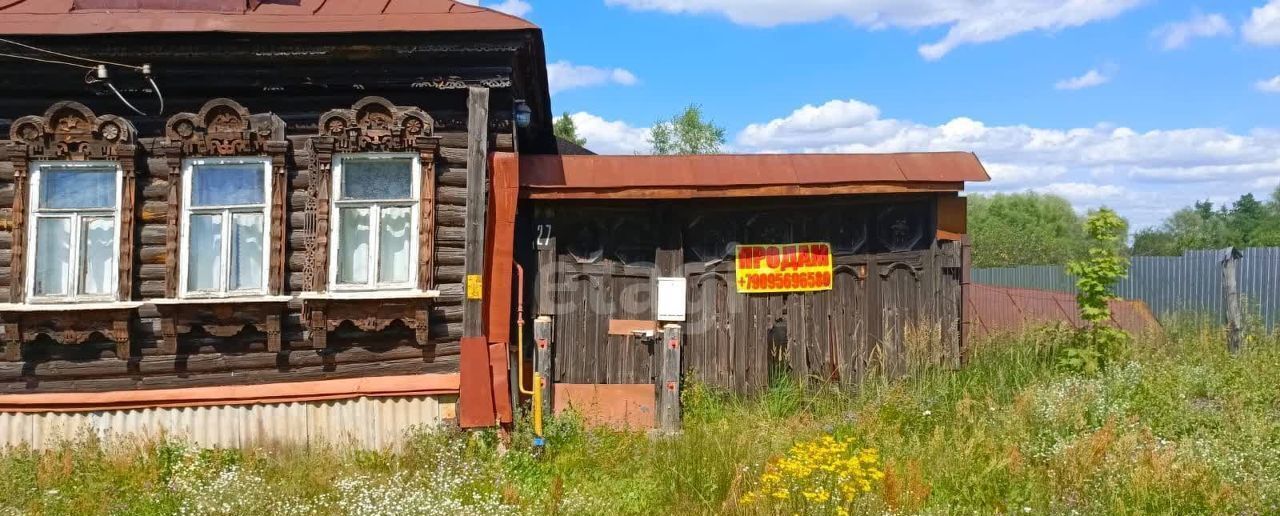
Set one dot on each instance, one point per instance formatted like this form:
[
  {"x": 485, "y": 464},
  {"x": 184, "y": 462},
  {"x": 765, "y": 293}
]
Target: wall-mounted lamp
[{"x": 524, "y": 115}]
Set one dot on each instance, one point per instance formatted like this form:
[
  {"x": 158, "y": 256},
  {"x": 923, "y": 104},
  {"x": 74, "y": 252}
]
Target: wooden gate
[
  {"x": 894, "y": 301},
  {"x": 605, "y": 273}
]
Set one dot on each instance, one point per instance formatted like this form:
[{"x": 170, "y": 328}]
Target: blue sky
[{"x": 1142, "y": 105}]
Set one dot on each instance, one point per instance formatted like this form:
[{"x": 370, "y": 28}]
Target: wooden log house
[
  {"x": 315, "y": 240},
  {"x": 307, "y": 209}
]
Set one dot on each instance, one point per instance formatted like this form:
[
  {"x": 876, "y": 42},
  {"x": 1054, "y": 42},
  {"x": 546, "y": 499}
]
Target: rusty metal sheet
[
  {"x": 372, "y": 387},
  {"x": 721, "y": 170},
  {"x": 621, "y": 406},
  {"x": 1008, "y": 309},
  {"x": 264, "y": 16}
]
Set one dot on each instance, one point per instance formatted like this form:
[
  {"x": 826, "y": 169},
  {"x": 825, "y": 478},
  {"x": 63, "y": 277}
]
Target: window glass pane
[
  {"x": 97, "y": 252},
  {"x": 227, "y": 184},
  {"x": 53, "y": 256},
  {"x": 377, "y": 178},
  {"x": 353, "y": 246},
  {"x": 64, "y": 187},
  {"x": 393, "y": 245},
  {"x": 204, "y": 253},
  {"x": 246, "y": 252}
]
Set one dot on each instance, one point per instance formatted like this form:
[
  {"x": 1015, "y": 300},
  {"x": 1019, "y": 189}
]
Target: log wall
[{"x": 206, "y": 360}]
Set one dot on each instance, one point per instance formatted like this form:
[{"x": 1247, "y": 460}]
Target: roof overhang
[
  {"x": 82, "y": 17},
  {"x": 745, "y": 175}
]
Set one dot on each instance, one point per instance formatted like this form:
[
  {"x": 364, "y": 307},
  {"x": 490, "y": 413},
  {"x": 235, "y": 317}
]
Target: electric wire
[
  {"x": 69, "y": 56},
  {"x": 50, "y": 61},
  {"x": 98, "y": 66}
]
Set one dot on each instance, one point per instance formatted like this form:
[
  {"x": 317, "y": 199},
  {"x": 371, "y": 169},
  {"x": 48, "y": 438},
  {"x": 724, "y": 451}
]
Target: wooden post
[
  {"x": 1231, "y": 291},
  {"x": 477, "y": 197},
  {"x": 669, "y": 379},
  {"x": 542, "y": 359}
]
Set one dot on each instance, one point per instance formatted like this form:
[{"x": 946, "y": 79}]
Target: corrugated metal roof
[
  {"x": 745, "y": 170},
  {"x": 33, "y": 17}
]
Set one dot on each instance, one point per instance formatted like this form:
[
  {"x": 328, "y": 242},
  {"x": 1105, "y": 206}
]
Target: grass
[{"x": 1177, "y": 426}]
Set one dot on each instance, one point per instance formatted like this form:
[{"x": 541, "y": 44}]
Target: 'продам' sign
[{"x": 784, "y": 268}]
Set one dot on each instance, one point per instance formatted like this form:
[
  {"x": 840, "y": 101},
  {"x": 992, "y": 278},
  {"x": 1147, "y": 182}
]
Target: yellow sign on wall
[
  {"x": 804, "y": 267},
  {"x": 475, "y": 286}
]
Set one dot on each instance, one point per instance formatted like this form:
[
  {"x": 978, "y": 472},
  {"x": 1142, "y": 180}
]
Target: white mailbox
[{"x": 671, "y": 299}]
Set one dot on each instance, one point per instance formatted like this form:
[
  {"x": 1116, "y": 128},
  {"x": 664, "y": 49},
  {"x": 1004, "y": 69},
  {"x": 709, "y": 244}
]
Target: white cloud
[
  {"x": 563, "y": 75},
  {"x": 967, "y": 21},
  {"x": 1146, "y": 175},
  {"x": 1177, "y": 34},
  {"x": 1263, "y": 26},
  {"x": 1083, "y": 191},
  {"x": 610, "y": 136},
  {"x": 513, "y": 7},
  {"x": 1271, "y": 85},
  {"x": 1088, "y": 80}
]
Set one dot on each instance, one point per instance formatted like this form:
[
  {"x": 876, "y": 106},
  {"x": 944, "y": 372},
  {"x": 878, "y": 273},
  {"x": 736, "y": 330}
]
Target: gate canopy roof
[
  {"x": 745, "y": 175},
  {"x": 248, "y": 16}
]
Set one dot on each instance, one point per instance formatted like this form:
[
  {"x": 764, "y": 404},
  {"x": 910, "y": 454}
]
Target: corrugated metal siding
[
  {"x": 1169, "y": 284},
  {"x": 366, "y": 423}
]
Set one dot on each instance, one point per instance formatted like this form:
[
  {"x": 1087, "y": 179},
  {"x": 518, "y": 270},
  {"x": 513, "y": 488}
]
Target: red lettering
[
  {"x": 771, "y": 257},
  {"x": 789, "y": 259},
  {"x": 805, "y": 256},
  {"x": 821, "y": 255},
  {"x": 744, "y": 257}
]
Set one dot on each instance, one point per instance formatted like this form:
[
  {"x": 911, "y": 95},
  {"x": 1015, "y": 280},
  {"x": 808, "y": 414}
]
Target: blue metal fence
[{"x": 1169, "y": 284}]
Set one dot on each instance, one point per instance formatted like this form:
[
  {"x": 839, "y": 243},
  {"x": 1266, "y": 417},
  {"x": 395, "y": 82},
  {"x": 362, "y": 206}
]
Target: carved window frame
[
  {"x": 376, "y": 206},
  {"x": 70, "y": 131},
  {"x": 37, "y": 171},
  {"x": 373, "y": 125},
  {"x": 227, "y": 231},
  {"x": 225, "y": 129}
]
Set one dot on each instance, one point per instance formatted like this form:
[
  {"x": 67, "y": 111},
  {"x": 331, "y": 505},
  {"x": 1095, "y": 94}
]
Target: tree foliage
[
  {"x": 1096, "y": 276},
  {"x": 1024, "y": 229},
  {"x": 565, "y": 129},
  {"x": 1247, "y": 222},
  {"x": 686, "y": 133}
]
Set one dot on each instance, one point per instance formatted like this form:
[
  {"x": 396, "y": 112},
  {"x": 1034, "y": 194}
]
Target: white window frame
[
  {"x": 35, "y": 212},
  {"x": 188, "y": 171},
  {"x": 335, "y": 214}
]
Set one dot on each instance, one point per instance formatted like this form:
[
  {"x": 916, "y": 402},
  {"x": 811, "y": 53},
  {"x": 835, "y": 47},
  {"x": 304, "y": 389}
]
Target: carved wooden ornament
[
  {"x": 69, "y": 131},
  {"x": 373, "y": 124},
  {"x": 224, "y": 128}
]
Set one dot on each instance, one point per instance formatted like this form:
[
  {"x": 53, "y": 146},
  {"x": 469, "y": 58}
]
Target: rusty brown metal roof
[
  {"x": 945, "y": 170},
  {"x": 1003, "y": 310},
  {"x": 68, "y": 17}
]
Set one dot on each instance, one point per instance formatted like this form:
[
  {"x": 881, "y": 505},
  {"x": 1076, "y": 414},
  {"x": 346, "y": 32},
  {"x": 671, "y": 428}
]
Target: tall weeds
[{"x": 1178, "y": 426}]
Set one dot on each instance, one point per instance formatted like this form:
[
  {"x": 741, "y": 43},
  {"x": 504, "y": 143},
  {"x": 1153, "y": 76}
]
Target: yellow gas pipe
[{"x": 536, "y": 391}]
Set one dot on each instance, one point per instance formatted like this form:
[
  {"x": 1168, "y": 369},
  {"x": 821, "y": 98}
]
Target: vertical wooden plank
[
  {"x": 477, "y": 194},
  {"x": 669, "y": 391},
  {"x": 18, "y": 218},
  {"x": 128, "y": 201},
  {"x": 1231, "y": 292},
  {"x": 668, "y": 262}
]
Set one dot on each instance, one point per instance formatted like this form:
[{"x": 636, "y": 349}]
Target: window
[
  {"x": 375, "y": 222},
  {"x": 224, "y": 227},
  {"x": 75, "y": 231}
]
